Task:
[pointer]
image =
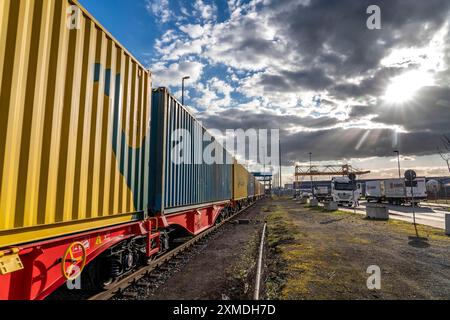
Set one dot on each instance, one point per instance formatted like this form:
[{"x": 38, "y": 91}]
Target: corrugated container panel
[
  {"x": 259, "y": 188},
  {"x": 251, "y": 185},
  {"x": 176, "y": 186},
  {"x": 240, "y": 181},
  {"x": 74, "y": 109}
]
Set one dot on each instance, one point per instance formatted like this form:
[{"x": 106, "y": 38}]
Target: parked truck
[
  {"x": 396, "y": 191},
  {"x": 344, "y": 191}
]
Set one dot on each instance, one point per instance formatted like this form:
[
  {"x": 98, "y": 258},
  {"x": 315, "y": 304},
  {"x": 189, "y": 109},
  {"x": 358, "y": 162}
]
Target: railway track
[{"x": 144, "y": 277}]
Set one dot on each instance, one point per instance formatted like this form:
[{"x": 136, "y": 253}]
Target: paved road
[{"x": 433, "y": 216}]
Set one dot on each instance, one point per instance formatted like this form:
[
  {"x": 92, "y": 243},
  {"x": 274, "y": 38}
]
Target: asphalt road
[{"x": 429, "y": 215}]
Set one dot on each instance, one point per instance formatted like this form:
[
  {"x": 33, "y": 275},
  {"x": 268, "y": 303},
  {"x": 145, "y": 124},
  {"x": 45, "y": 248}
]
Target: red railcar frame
[{"x": 42, "y": 261}]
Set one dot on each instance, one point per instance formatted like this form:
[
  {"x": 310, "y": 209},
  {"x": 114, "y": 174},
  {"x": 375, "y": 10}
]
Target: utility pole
[
  {"x": 182, "y": 88},
  {"x": 264, "y": 170},
  {"x": 310, "y": 171},
  {"x": 398, "y": 159},
  {"x": 281, "y": 177}
]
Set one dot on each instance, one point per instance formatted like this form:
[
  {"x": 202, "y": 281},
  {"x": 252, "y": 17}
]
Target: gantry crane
[{"x": 326, "y": 170}]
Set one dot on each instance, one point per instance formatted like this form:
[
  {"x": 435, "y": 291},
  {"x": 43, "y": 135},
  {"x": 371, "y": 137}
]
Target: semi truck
[
  {"x": 344, "y": 191},
  {"x": 396, "y": 191}
]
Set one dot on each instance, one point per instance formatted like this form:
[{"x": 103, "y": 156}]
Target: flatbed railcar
[{"x": 87, "y": 185}]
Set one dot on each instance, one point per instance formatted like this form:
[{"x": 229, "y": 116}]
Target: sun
[{"x": 403, "y": 88}]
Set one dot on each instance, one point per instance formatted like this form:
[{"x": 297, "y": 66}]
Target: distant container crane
[
  {"x": 324, "y": 171},
  {"x": 327, "y": 170}
]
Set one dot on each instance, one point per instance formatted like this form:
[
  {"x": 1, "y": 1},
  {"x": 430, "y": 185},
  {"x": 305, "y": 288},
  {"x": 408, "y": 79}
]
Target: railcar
[{"x": 88, "y": 183}]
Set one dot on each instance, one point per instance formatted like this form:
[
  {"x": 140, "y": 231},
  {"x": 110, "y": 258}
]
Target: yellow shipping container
[
  {"x": 259, "y": 188},
  {"x": 73, "y": 103},
  {"x": 240, "y": 182}
]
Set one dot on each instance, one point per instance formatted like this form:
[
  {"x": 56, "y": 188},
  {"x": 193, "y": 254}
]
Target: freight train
[{"x": 88, "y": 185}]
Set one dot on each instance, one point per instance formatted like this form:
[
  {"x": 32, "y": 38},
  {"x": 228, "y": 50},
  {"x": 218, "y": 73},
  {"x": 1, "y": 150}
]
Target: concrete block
[
  {"x": 331, "y": 206},
  {"x": 313, "y": 202},
  {"x": 377, "y": 211},
  {"x": 447, "y": 224}
]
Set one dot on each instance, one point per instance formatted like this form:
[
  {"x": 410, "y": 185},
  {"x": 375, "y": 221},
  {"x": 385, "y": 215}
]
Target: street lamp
[
  {"x": 182, "y": 88},
  {"x": 398, "y": 159},
  {"x": 310, "y": 172}
]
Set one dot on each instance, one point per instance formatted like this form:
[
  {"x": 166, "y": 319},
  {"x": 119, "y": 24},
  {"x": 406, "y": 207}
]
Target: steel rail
[{"x": 260, "y": 258}]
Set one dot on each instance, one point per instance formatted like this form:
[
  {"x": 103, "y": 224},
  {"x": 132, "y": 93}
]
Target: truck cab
[{"x": 344, "y": 191}]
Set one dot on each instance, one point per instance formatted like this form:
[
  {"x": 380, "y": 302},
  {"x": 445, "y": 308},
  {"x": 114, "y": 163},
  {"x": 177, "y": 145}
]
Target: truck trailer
[
  {"x": 322, "y": 193},
  {"x": 375, "y": 191},
  {"x": 396, "y": 191}
]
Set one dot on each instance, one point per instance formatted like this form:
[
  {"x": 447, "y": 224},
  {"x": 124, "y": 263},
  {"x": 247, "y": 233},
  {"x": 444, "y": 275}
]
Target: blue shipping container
[{"x": 175, "y": 186}]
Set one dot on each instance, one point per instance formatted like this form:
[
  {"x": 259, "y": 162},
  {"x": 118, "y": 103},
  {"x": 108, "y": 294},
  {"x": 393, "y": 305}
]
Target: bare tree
[{"x": 444, "y": 151}]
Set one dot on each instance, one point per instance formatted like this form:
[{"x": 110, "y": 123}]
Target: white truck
[
  {"x": 344, "y": 191},
  {"x": 398, "y": 191}
]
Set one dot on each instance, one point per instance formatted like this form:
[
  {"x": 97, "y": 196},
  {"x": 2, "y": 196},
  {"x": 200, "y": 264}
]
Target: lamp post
[
  {"x": 281, "y": 177},
  {"x": 182, "y": 88},
  {"x": 398, "y": 159},
  {"x": 310, "y": 172}
]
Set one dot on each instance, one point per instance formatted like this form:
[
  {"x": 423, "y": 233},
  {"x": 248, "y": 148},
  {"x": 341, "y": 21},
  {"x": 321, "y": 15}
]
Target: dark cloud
[
  {"x": 333, "y": 143},
  {"x": 428, "y": 111},
  {"x": 333, "y": 45},
  {"x": 333, "y": 34},
  {"x": 238, "y": 119},
  {"x": 325, "y": 46},
  {"x": 289, "y": 81},
  {"x": 341, "y": 143},
  {"x": 371, "y": 86}
]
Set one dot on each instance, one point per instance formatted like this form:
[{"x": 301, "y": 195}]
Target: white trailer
[
  {"x": 398, "y": 191},
  {"x": 419, "y": 190},
  {"x": 395, "y": 191},
  {"x": 322, "y": 193},
  {"x": 375, "y": 191}
]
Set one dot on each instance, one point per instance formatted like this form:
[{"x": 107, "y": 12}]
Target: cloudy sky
[{"x": 311, "y": 68}]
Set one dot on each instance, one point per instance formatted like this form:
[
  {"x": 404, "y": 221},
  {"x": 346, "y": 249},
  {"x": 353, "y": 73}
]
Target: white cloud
[
  {"x": 160, "y": 9},
  {"x": 170, "y": 74},
  {"x": 205, "y": 11},
  {"x": 181, "y": 48},
  {"x": 214, "y": 95},
  {"x": 194, "y": 31}
]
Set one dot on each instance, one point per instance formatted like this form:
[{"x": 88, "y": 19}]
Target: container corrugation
[
  {"x": 251, "y": 185},
  {"x": 176, "y": 185},
  {"x": 240, "y": 181},
  {"x": 259, "y": 187},
  {"x": 74, "y": 109}
]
